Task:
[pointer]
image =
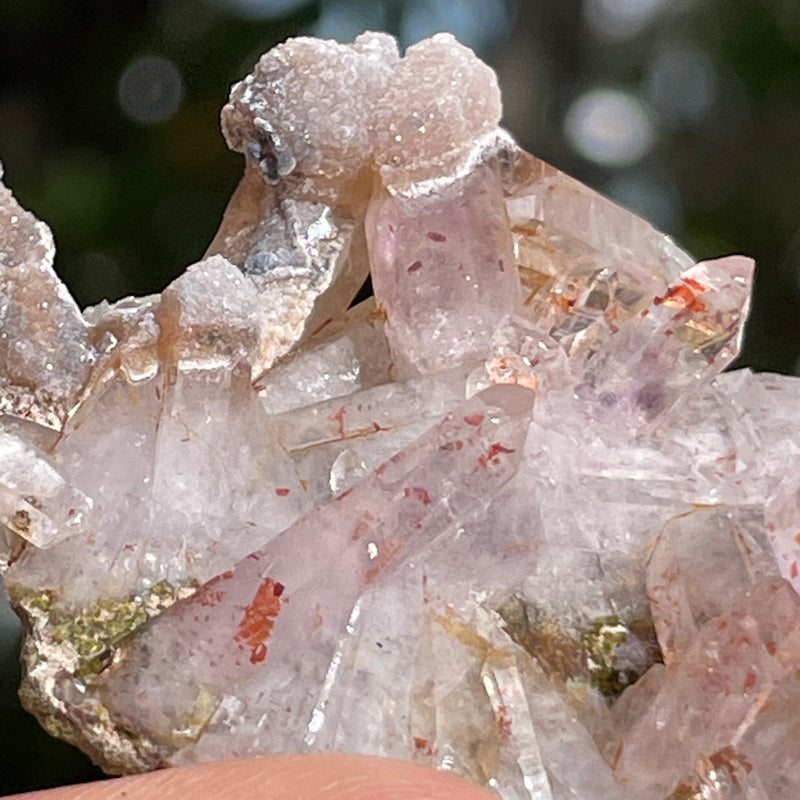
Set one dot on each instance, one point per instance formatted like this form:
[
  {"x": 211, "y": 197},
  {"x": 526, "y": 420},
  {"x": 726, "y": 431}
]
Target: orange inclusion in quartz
[
  {"x": 259, "y": 618},
  {"x": 684, "y": 296}
]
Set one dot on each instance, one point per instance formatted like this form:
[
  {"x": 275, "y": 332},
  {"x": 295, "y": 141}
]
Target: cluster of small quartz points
[{"x": 507, "y": 518}]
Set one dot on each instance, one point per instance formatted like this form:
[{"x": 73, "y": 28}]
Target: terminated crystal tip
[{"x": 507, "y": 518}]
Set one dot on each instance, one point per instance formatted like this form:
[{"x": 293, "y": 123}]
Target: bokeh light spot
[
  {"x": 610, "y": 127},
  {"x": 620, "y": 19},
  {"x": 260, "y": 9},
  {"x": 681, "y": 83},
  {"x": 150, "y": 90},
  {"x": 343, "y": 20},
  {"x": 656, "y": 198},
  {"x": 477, "y": 25}
]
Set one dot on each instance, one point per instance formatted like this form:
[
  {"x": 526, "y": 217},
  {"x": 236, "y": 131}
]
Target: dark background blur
[{"x": 687, "y": 111}]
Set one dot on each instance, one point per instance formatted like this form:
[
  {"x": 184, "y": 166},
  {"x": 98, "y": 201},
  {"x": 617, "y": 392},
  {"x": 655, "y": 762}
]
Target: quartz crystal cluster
[{"x": 508, "y": 518}]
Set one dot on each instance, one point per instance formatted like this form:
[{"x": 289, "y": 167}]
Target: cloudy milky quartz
[{"x": 507, "y": 518}]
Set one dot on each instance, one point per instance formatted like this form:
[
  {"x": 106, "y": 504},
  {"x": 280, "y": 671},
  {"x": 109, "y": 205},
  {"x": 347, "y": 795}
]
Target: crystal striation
[{"x": 509, "y": 517}]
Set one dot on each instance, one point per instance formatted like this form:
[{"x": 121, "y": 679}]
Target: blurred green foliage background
[{"x": 687, "y": 111}]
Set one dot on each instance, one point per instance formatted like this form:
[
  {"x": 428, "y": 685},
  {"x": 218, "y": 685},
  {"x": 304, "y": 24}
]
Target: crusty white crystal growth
[
  {"x": 508, "y": 518},
  {"x": 44, "y": 350}
]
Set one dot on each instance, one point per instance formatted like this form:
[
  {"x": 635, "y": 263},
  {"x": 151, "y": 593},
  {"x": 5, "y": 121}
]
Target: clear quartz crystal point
[
  {"x": 508, "y": 517},
  {"x": 274, "y": 604}
]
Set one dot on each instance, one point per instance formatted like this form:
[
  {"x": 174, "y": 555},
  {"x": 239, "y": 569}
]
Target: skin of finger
[{"x": 316, "y": 776}]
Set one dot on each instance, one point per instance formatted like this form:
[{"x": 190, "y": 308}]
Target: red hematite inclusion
[{"x": 259, "y": 617}]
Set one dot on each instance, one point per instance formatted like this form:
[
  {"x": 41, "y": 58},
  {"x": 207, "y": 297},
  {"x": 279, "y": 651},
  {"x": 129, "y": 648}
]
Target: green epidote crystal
[
  {"x": 601, "y": 639},
  {"x": 589, "y": 652},
  {"x": 685, "y": 792},
  {"x": 92, "y": 632}
]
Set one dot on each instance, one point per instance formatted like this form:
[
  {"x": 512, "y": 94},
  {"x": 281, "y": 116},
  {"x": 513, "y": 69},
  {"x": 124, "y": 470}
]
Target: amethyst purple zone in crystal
[{"x": 506, "y": 518}]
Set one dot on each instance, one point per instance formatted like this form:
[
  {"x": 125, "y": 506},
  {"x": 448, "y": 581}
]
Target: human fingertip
[{"x": 315, "y": 776}]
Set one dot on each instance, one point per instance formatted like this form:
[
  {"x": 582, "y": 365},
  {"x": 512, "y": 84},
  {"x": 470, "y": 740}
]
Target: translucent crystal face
[{"x": 507, "y": 518}]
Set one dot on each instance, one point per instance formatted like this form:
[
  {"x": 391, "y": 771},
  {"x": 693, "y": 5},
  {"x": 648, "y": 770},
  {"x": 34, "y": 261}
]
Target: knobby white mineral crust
[
  {"x": 44, "y": 350},
  {"x": 507, "y": 518},
  {"x": 307, "y": 109},
  {"x": 440, "y": 102}
]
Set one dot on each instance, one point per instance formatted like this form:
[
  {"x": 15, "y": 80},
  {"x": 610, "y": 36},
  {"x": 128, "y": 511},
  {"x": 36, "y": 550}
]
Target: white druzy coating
[
  {"x": 44, "y": 352},
  {"x": 308, "y": 104},
  {"x": 441, "y": 100},
  {"x": 324, "y": 111}
]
